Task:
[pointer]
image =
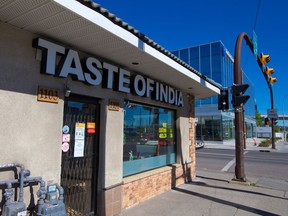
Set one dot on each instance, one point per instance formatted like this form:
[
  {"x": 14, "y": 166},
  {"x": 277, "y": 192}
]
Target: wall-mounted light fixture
[{"x": 67, "y": 91}]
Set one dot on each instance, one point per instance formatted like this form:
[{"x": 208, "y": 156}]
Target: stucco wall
[
  {"x": 31, "y": 131},
  {"x": 114, "y": 148}
]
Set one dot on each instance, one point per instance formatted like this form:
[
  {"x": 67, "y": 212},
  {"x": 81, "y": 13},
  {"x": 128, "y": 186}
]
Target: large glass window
[
  {"x": 228, "y": 127},
  {"x": 149, "y": 138},
  {"x": 216, "y": 68},
  {"x": 205, "y": 60},
  {"x": 194, "y": 58},
  {"x": 216, "y": 48},
  {"x": 205, "y": 50},
  {"x": 209, "y": 128},
  {"x": 184, "y": 55}
]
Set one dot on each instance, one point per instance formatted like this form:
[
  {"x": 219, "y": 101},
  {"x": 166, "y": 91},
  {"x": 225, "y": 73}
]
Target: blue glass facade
[{"x": 214, "y": 61}]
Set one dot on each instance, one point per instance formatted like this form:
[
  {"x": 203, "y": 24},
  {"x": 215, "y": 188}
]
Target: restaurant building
[{"x": 90, "y": 103}]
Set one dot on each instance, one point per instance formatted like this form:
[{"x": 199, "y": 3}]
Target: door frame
[{"x": 96, "y": 161}]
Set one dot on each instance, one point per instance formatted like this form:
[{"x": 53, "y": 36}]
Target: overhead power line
[{"x": 256, "y": 18}]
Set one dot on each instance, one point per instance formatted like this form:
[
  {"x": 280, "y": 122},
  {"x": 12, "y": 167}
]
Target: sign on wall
[
  {"x": 114, "y": 105},
  {"x": 94, "y": 72},
  {"x": 46, "y": 94}
]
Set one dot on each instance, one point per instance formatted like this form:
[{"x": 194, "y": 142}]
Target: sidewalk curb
[
  {"x": 240, "y": 182},
  {"x": 281, "y": 147}
]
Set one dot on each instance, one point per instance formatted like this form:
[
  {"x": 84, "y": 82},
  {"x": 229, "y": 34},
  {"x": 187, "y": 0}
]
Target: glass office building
[{"x": 214, "y": 61}]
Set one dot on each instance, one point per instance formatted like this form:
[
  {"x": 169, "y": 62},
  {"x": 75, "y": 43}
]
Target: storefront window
[
  {"x": 149, "y": 138},
  {"x": 209, "y": 128},
  {"x": 217, "y": 128}
]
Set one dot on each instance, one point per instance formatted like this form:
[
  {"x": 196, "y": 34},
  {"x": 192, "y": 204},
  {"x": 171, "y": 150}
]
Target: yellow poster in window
[{"x": 171, "y": 133}]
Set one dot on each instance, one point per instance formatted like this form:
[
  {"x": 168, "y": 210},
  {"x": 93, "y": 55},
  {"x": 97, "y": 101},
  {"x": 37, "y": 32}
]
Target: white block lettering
[
  {"x": 149, "y": 87},
  {"x": 49, "y": 64},
  {"x": 72, "y": 66},
  {"x": 139, "y": 82},
  {"x": 92, "y": 65},
  {"x": 124, "y": 81},
  {"x": 111, "y": 70}
]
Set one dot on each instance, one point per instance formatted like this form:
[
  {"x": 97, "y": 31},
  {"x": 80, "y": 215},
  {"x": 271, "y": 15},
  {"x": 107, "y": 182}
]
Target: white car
[{"x": 199, "y": 144}]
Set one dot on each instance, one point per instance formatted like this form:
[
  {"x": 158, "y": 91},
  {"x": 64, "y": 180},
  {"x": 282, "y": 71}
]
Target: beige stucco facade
[{"x": 31, "y": 130}]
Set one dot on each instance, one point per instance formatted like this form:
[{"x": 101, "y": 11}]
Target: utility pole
[
  {"x": 239, "y": 100},
  {"x": 239, "y": 120}
]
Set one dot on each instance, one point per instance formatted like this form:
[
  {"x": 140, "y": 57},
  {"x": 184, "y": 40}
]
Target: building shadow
[
  {"x": 202, "y": 184},
  {"x": 225, "y": 202},
  {"x": 214, "y": 179}
]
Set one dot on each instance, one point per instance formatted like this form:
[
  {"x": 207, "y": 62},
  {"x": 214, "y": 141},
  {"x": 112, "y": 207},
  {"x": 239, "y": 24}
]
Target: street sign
[
  {"x": 255, "y": 44},
  {"x": 272, "y": 113}
]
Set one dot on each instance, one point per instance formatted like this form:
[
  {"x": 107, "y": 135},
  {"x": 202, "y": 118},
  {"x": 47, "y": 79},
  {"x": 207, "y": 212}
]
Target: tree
[{"x": 258, "y": 119}]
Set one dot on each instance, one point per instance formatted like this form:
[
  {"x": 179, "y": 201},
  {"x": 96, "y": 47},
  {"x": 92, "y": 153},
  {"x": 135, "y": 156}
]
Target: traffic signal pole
[
  {"x": 272, "y": 102},
  {"x": 272, "y": 119},
  {"x": 239, "y": 111},
  {"x": 239, "y": 120}
]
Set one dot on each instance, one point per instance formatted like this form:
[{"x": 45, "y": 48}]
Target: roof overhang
[{"x": 95, "y": 31}]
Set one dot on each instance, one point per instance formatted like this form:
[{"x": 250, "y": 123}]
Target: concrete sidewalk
[
  {"x": 214, "y": 194},
  {"x": 281, "y": 147}
]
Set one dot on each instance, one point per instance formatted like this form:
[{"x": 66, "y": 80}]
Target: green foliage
[
  {"x": 276, "y": 128},
  {"x": 265, "y": 143},
  {"x": 258, "y": 119}
]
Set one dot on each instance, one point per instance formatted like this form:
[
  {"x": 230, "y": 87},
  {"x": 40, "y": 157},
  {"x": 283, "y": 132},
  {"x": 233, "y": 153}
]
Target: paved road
[{"x": 263, "y": 166}]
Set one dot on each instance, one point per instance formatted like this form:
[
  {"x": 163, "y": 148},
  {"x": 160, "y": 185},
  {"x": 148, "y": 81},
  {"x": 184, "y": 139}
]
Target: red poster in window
[
  {"x": 91, "y": 131},
  {"x": 91, "y": 127}
]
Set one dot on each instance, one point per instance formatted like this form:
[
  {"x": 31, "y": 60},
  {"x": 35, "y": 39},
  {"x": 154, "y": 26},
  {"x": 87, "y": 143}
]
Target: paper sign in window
[
  {"x": 79, "y": 131},
  {"x": 79, "y": 148}
]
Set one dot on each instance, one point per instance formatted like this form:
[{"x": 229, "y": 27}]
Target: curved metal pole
[
  {"x": 239, "y": 132},
  {"x": 239, "y": 120}
]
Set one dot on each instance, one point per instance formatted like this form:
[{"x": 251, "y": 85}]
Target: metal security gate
[{"x": 80, "y": 155}]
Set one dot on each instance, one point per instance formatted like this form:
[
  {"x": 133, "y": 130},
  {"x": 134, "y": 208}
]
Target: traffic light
[
  {"x": 264, "y": 59},
  {"x": 238, "y": 97},
  {"x": 272, "y": 80},
  {"x": 223, "y": 100},
  {"x": 267, "y": 72},
  {"x": 267, "y": 122}
]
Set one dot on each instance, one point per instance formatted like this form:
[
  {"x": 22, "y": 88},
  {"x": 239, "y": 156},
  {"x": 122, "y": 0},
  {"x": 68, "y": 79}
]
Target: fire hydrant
[{"x": 255, "y": 143}]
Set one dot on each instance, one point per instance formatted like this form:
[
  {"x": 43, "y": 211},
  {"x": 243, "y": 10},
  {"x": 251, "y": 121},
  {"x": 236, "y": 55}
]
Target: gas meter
[
  {"x": 51, "y": 196},
  {"x": 53, "y": 204}
]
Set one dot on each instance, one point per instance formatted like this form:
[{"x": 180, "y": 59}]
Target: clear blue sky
[{"x": 184, "y": 23}]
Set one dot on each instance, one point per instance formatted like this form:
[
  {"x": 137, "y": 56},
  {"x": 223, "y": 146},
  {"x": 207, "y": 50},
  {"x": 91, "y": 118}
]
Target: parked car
[{"x": 199, "y": 142}]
